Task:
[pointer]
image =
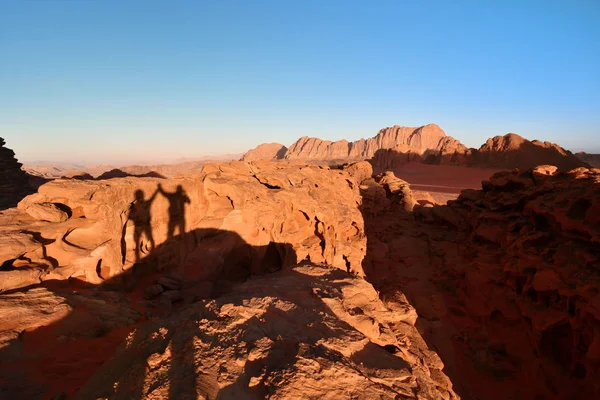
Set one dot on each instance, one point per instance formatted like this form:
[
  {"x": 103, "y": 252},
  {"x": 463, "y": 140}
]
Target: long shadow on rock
[
  {"x": 260, "y": 334},
  {"x": 56, "y": 359}
]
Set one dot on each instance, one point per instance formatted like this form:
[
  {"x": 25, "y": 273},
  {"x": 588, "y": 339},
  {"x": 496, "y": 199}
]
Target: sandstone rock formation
[
  {"x": 397, "y": 190},
  {"x": 114, "y": 223},
  {"x": 513, "y": 151},
  {"x": 216, "y": 303},
  {"x": 395, "y": 146},
  {"x": 47, "y": 212},
  {"x": 13, "y": 181},
  {"x": 505, "y": 281},
  {"x": 265, "y": 152},
  {"x": 420, "y": 141}
]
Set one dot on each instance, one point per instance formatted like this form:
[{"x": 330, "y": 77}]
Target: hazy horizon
[{"x": 130, "y": 82}]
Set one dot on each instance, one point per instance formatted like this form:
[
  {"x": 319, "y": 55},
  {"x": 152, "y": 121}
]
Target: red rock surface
[
  {"x": 505, "y": 281},
  {"x": 246, "y": 279},
  {"x": 138, "y": 293},
  {"x": 308, "y": 332},
  {"x": 312, "y": 208}
]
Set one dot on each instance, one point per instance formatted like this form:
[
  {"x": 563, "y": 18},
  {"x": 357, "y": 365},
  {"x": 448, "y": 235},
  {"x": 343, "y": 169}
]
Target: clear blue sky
[{"x": 125, "y": 81}]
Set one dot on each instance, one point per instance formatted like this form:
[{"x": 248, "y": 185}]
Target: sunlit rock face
[
  {"x": 95, "y": 230},
  {"x": 406, "y": 139}
]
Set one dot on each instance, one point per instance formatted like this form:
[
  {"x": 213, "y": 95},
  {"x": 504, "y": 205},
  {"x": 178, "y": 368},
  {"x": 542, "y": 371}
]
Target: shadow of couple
[{"x": 140, "y": 215}]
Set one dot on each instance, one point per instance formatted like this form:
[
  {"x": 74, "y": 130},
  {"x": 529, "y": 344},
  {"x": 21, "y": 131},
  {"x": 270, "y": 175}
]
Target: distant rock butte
[
  {"x": 513, "y": 151},
  {"x": 592, "y": 159},
  {"x": 265, "y": 151},
  {"x": 118, "y": 173},
  {"x": 69, "y": 171},
  {"x": 419, "y": 140},
  {"x": 398, "y": 145}
]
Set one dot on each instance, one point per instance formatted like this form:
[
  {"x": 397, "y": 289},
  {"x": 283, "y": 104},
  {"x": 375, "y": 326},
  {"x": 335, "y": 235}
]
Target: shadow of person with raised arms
[
  {"x": 177, "y": 202},
  {"x": 140, "y": 215}
]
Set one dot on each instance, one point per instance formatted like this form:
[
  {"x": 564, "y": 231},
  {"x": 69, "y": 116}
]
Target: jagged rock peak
[{"x": 265, "y": 151}]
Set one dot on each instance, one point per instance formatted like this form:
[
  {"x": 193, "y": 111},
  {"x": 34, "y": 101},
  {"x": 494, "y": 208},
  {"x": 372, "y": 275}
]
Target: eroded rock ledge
[
  {"x": 243, "y": 280},
  {"x": 505, "y": 281}
]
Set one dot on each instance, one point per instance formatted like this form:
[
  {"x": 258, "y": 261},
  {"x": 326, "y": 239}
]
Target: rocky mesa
[{"x": 395, "y": 146}]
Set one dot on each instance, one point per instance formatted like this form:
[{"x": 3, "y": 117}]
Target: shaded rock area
[
  {"x": 242, "y": 281},
  {"x": 308, "y": 332},
  {"x": 14, "y": 182},
  {"x": 505, "y": 280}
]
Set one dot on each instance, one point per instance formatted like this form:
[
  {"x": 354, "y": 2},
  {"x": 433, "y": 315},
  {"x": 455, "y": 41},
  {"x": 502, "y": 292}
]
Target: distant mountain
[
  {"x": 266, "y": 151},
  {"x": 514, "y": 151},
  {"x": 592, "y": 159},
  {"x": 397, "y": 145},
  {"x": 53, "y": 171}
]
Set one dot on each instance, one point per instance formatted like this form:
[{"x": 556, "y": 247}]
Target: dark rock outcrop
[
  {"x": 505, "y": 280},
  {"x": 14, "y": 183}
]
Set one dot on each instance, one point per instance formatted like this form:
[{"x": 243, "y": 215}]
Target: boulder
[{"x": 47, "y": 212}]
